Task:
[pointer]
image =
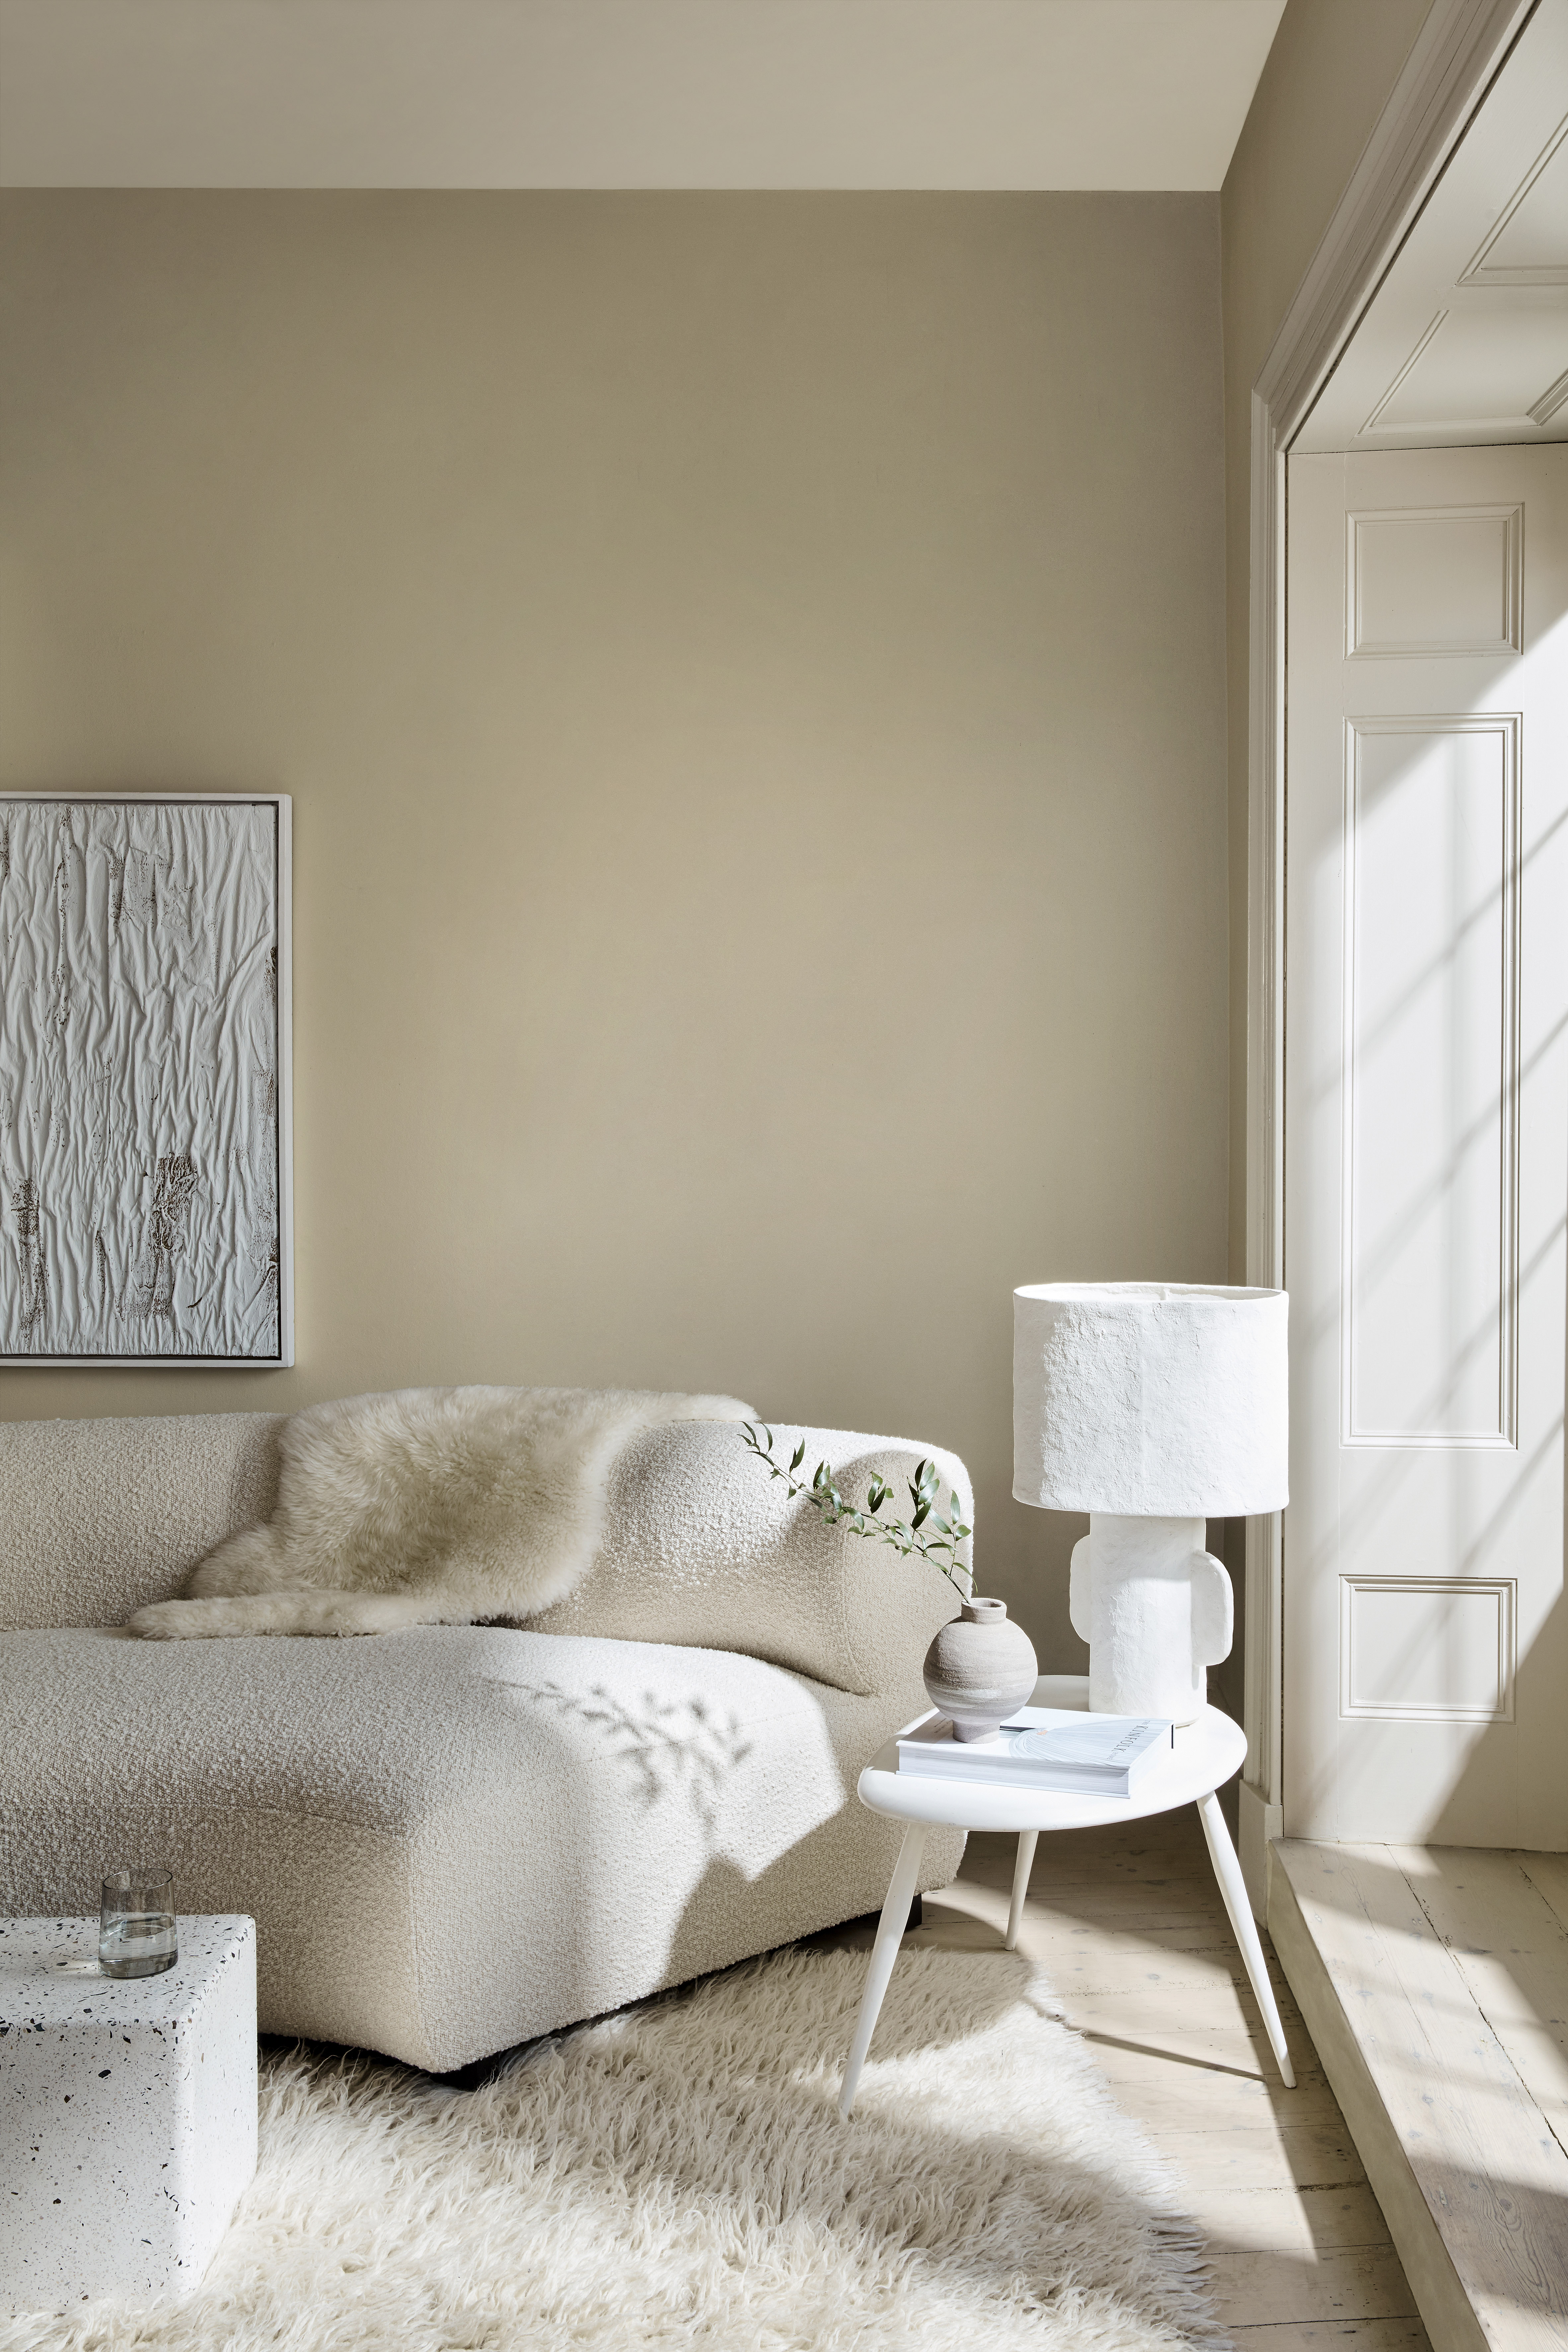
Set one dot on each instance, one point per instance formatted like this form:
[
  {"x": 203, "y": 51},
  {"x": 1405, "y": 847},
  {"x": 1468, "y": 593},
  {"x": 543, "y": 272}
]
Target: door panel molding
[
  {"x": 1447, "y": 1651},
  {"x": 1364, "y": 1097},
  {"x": 1497, "y": 553}
]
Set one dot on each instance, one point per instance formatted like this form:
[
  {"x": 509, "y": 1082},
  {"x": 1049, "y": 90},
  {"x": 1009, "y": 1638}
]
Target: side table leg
[
  {"x": 1021, "y": 1869},
  {"x": 884, "y": 1952},
  {"x": 1232, "y": 1886}
]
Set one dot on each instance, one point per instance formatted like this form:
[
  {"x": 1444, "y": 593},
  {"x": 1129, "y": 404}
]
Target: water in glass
[{"x": 136, "y": 1932}]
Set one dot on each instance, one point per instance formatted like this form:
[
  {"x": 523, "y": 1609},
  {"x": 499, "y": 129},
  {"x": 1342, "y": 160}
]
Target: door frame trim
[{"x": 1458, "y": 52}]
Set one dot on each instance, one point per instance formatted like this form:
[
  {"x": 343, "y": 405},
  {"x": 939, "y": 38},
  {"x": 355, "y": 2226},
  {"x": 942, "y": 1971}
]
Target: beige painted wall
[
  {"x": 1327, "y": 80},
  {"x": 750, "y": 672}
]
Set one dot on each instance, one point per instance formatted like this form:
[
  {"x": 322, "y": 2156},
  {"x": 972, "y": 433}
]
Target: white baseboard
[{"x": 1257, "y": 1822}]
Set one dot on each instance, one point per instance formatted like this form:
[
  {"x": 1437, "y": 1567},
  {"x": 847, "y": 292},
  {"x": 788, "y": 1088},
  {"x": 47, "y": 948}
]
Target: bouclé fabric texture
[
  {"x": 424, "y": 1507},
  {"x": 101, "y": 1517},
  {"x": 463, "y": 1835},
  {"x": 702, "y": 1548},
  {"x": 460, "y": 1836}
]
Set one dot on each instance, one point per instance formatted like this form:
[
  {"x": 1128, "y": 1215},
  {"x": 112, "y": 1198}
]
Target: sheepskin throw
[{"x": 429, "y": 1506}]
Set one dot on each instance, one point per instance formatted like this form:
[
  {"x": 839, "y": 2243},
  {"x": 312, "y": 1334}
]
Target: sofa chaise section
[{"x": 455, "y": 1837}]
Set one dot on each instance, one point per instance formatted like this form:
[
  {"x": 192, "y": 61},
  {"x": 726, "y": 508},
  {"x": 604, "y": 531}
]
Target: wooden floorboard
[
  {"x": 1129, "y": 1928},
  {"x": 1258, "y": 2290},
  {"x": 1435, "y": 1981},
  {"x": 1333, "y": 2335},
  {"x": 1548, "y": 1873},
  {"x": 1297, "y": 2221},
  {"x": 1512, "y": 1949}
]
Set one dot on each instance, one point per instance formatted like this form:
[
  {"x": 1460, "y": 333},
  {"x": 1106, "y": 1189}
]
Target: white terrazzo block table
[{"x": 126, "y": 2111}]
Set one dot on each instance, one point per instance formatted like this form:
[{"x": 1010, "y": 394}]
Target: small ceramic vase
[{"x": 980, "y": 1669}]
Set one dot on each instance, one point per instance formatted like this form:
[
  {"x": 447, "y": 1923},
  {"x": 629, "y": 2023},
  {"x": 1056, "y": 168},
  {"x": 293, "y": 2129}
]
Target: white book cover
[{"x": 1045, "y": 1746}]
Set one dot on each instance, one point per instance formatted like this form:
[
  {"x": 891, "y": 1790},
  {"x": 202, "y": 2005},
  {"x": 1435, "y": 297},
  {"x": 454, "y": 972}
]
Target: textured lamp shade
[{"x": 1151, "y": 1398}]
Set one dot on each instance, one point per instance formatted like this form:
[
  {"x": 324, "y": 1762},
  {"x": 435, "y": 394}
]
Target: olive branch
[{"x": 904, "y": 1535}]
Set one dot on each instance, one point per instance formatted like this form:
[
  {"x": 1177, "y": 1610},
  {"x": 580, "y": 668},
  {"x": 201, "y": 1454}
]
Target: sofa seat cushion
[{"x": 451, "y": 1838}]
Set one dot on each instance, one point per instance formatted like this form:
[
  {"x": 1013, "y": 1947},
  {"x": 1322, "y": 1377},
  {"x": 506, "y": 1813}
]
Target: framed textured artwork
[{"x": 145, "y": 1202}]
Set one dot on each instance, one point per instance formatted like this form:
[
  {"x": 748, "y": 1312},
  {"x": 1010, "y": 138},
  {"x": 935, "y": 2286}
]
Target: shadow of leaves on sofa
[{"x": 670, "y": 1744}]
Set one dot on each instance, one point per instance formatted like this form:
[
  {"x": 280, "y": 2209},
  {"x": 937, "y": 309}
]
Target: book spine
[{"x": 1016, "y": 1775}]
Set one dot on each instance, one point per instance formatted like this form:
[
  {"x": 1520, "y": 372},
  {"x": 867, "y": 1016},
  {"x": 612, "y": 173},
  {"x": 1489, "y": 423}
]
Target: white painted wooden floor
[{"x": 1129, "y": 1925}]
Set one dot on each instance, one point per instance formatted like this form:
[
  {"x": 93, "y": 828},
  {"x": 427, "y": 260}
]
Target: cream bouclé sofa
[{"x": 455, "y": 1837}]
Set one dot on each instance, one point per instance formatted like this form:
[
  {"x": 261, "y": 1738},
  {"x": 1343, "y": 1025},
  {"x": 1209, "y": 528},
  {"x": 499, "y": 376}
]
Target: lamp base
[{"x": 1155, "y": 1608}]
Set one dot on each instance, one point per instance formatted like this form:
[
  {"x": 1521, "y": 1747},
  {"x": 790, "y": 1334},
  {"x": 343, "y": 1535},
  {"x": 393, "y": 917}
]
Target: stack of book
[{"x": 1044, "y": 1747}]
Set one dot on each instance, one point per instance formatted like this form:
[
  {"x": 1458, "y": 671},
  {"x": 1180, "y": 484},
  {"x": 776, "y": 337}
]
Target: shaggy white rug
[
  {"x": 678, "y": 2176},
  {"x": 424, "y": 1507}
]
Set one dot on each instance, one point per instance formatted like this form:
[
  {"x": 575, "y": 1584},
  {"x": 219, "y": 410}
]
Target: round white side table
[{"x": 1202, "y": 1757}]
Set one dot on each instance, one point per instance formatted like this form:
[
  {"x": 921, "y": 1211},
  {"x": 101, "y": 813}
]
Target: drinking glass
[{"x": 136, "y": 1923}]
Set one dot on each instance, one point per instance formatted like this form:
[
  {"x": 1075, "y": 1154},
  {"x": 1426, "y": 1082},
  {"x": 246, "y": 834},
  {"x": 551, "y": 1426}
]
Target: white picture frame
[{"x": 146, "y": 1080}]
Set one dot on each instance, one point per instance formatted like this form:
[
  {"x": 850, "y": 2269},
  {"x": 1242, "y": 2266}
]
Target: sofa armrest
[{"x": 703, "y": 1550}]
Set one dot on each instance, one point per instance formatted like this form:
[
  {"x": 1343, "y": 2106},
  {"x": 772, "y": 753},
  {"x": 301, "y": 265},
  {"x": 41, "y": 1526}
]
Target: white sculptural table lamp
[{"x": 1152, "y": 1406}]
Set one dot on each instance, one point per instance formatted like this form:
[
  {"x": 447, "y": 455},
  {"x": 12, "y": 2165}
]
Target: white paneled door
[{"x": 1425, "y": 1626}]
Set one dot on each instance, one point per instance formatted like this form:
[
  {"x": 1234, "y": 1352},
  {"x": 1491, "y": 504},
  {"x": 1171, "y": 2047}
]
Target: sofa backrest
[
  {"x": 701, "y": 1548},
  {"x": 98, "y": 1516}
]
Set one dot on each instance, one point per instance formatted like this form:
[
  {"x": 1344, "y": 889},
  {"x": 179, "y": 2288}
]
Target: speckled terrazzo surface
[{"x": 127, "y": 2110}]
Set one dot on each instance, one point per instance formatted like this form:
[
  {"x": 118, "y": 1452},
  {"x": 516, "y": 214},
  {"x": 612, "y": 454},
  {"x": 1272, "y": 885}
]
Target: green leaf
[
  {"x": 921, "y": 1514},
  {"x": 798, "y": 1456}
]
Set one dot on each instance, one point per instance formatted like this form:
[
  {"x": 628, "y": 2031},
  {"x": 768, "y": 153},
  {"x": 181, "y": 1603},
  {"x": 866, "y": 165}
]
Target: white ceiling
[
  {"x": 1466, "y": 339},
  {"x": 627, "y": 93}
]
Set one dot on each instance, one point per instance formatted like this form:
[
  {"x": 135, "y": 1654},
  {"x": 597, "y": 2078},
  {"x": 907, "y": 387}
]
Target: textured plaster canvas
[{"x": 143, "y": 1080}]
